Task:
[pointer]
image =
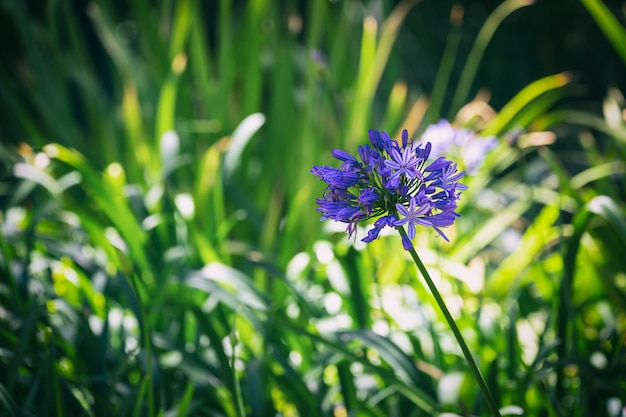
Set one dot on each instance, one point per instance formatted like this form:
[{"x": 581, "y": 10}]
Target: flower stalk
[{"x": 491, "y": 403}]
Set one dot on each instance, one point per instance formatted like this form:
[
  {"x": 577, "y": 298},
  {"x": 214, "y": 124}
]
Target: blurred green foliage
[{"x": 160, "y": 249}]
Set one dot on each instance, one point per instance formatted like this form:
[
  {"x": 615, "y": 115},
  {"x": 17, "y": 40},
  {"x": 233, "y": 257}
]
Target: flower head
[
  {"x": 392, "y": 182},
  {"x": 461, "y": 143}
]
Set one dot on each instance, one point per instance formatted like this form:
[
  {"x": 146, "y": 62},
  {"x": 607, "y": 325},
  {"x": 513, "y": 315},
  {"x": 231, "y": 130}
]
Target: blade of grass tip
[
  {"x": 137, "y": 153},
  {"x": 166, "y": 105},
  {"x": 478, "y": 49},
  {"x": 239, "y": 140},
  {"x": 395, "y": 107},
  {"x": 503, "y": 119},
  {"x": 209, "y": 202},
  {"x": 537, "y": 108},
  {"x": 597, "y": 173},
  {"x": 442, "y": 79},
  {"x": 416, "y": 115},
  {"x": 609, "y": 24},
  {"x": 185, "y": 402},
  {"x": 181, "y": 27}
]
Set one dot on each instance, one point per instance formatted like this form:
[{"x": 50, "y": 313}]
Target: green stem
[
  {"x": 457, "y": 333},
  {"x": 147, "y": 344}
]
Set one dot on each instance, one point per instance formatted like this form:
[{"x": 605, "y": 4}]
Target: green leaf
[{"x": 608, "y": 23}]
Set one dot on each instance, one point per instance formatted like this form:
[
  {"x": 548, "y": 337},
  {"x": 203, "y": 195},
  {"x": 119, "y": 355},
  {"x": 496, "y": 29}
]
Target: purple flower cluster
[
  {"x": 393, "y": 182},
  {"x": 460, "y": 143}
]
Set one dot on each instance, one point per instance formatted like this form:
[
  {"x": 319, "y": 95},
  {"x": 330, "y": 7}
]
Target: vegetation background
[{"x": 160, "y": 250}]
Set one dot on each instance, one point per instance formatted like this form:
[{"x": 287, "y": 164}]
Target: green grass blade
[
  {"x": 536, "y": 238},
  {"x": 507, "y": 116},
  {"x": 478, "y": 50},
  {"x": 185, "y": 402},
  {"x": 608, "y": 23},
  {"x": 442, "y": 79}
]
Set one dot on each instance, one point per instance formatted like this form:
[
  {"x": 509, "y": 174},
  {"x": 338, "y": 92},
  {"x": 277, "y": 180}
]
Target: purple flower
[
  {"x": 392, "y": 183},
  {"x": 413, "y": 215},
  {"x": 403, "y": 163},
  {"x": 464, "y": 143}
]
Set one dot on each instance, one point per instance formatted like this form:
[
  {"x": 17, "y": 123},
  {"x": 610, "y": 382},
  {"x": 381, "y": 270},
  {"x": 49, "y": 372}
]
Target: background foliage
[{"x": 160, "y": 251}]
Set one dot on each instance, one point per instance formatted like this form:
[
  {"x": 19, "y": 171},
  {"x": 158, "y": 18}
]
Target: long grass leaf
[
  {"x": 608, "y": 23},
  {"x": 185, "y": 402},
  {"x": 478, "y": 50},
  {"x": 536, "y": 238},
  {"x": 512, "y": 109}
]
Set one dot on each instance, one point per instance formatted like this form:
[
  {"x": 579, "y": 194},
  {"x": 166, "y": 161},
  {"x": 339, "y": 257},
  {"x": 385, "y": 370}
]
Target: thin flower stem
[{"x": 455, "y": 330}]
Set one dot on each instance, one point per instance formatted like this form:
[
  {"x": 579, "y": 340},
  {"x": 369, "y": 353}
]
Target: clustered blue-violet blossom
[
  {"x": 460, "y": 143},
  {"x": 392, "y": 182}
]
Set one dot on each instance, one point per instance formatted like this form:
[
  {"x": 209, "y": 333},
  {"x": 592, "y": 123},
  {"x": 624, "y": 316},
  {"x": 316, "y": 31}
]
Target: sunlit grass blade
[
  {"x": 395, "y": 107},
  {"x": 470, "y": 244},
  {"x": 119, "y": 215},
  {"x": 506, "y": 118},
  {"x": 168, "y": 95},
  {"x": 536, "y": 238}
]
